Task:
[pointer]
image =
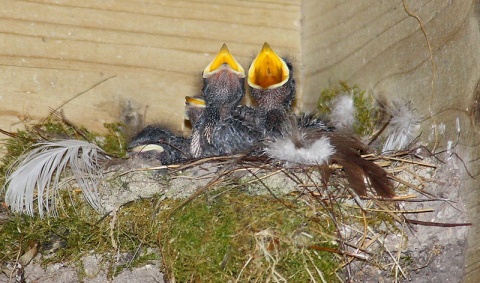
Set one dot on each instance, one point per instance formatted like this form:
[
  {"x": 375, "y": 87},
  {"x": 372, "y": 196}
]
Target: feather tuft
[
  {"x": 343, "y": 111},
  {"x": 37, "y": 174},
  {"x": 317, "y": 153},
  {"x": 403, "y": 127}
]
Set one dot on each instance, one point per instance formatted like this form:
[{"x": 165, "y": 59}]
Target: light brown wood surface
[
  {"x": 149, "y": 54},
  {"x": 426, "y": 52}
]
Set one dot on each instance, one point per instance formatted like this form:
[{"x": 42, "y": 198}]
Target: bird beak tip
[
  {"x": 194, "y": 101},
  {"x": 148, "y": 147},
  {"x": 266, "y": 48},
  {"x": 223, "y": 57}
]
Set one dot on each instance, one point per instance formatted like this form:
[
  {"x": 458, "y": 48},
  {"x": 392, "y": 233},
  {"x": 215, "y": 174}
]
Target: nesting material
[
  {"x": 363, "y": 233},
  {"x": 403, "y": 128},
  {"x": 316, "y": 153},
  {"x": 40, "y": 173},
  {"x": 343, "y": 111}
]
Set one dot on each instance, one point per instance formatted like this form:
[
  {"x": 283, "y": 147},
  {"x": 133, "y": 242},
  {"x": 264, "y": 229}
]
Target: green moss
[
  {"x": 212, "y": 240},
  {"x": 114, "y": 142},
  {"x": 61, "y": 237},
  {"x": 74, "y": 230},
  {"x": 79, "y": 230},
  {"x": 14, "y": 148},
  {"x": 366, "y": 115}
]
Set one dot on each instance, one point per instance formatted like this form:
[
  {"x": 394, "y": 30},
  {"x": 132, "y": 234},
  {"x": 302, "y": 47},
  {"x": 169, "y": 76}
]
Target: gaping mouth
[
  {"x": 194, "y": 102},
  {"x": 224, "y": 57},
  {"x": 268, "y": 70}
]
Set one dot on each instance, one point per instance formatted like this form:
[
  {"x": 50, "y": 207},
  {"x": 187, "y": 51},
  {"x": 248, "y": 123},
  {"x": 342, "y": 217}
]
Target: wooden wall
[
  {"x": 92, "y": 58},
  {"x": 426, "y": 52}
]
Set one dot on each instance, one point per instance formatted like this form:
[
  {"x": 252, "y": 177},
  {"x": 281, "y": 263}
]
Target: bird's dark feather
[
  {"x": 175, "y": 147},
  {"x": 348, "y": 152}
]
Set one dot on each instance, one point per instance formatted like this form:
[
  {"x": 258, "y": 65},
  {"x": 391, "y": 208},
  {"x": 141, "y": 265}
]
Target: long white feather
[{"x": 38, "y": 174}]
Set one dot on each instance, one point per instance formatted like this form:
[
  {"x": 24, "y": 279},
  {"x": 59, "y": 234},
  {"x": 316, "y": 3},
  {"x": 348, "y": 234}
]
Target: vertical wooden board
[
  {"x": 380, "y": 46},
  {"x": 94, "y": 57}
]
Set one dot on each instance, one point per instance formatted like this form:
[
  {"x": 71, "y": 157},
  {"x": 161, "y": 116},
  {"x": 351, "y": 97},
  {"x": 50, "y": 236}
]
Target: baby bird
[
  {"x": 306, "y": 139},
  {"x": 158, "y": 143},
  {"x": 194, "y": 108},
  {"x": 272, "y": 87},
  {"x": 218, "y": 131}
]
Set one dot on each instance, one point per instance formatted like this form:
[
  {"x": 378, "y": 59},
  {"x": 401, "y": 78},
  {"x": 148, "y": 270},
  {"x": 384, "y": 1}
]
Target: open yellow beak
[
  {"x": 223, "y": 57},
  {"x": 268, "y": 70},
  {"x": 194, "y": 101}
]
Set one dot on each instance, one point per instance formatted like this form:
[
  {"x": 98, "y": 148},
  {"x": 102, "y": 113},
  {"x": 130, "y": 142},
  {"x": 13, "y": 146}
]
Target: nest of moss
[{"x": 224, "y": 219}]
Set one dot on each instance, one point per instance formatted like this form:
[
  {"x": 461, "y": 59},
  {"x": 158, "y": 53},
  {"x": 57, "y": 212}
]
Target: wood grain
[
  {"x": 381, "y": 47},
  {"x": 153, "y": 51}
]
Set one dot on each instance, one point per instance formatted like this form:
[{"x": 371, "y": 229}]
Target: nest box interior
[{"x": 102, "y": 61}]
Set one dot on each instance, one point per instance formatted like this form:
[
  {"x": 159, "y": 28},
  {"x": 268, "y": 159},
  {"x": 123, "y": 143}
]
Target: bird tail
[
  {"x": 38, "y": 173},
  {"x": 358, "y": 170},
  {"x": 313, "y": 146}
]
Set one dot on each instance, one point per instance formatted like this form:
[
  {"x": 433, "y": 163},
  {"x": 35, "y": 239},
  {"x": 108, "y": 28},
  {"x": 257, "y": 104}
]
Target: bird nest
[
  {"x": 240, "y": 218},
  {"x": 327, "y": 217}
]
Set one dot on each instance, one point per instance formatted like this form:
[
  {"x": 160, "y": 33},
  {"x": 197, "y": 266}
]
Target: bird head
[
  {"x": 155, "y": 142},
  {"x": 223, "y": 80},
  {"x": 271, "y": 80}
]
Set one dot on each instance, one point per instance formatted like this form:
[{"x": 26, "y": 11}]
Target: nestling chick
[
  {"x": 272, "y": 87},
  {"x": 156, "y": 142},
  {"x": 217, "y": 130},
  {"x": 194, "y": 108}
]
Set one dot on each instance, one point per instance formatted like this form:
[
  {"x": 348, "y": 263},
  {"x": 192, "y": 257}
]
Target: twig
[
  {"x": 243, "y": 268},
  {"x": 436, "y": 224},
  {"x": 392, "y": 211},
  {"x": 407, "y": 161},
  {"x": 112, "y": 228},
  {"x": 85, "y": 91}
]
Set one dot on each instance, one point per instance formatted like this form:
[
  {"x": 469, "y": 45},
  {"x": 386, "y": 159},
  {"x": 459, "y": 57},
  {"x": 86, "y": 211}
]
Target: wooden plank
[
  {"x": 381, "y": 47},
  {"x": 151, "y": 54}
]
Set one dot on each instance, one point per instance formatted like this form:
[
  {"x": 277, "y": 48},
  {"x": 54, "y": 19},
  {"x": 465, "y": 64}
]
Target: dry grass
[
  {"x": 334, "y": 220},
  {"x": 253, "y": 221}
]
